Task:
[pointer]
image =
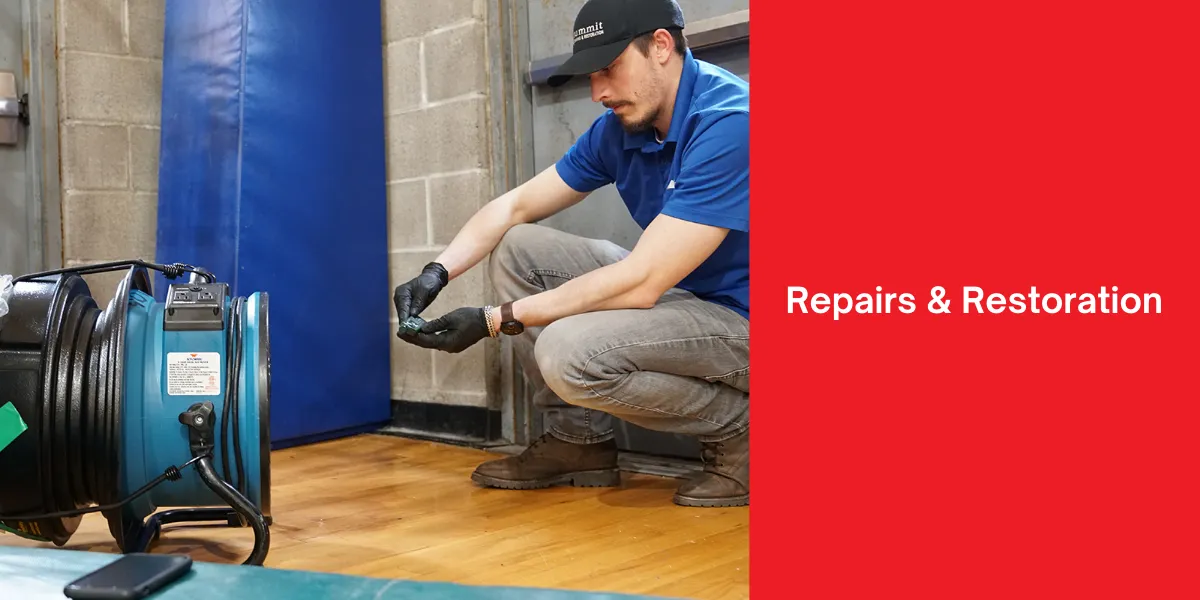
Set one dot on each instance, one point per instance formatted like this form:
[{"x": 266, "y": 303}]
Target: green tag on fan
[
  {"x": 11, "y": 424},
  {"x": 24, "y": 534}
]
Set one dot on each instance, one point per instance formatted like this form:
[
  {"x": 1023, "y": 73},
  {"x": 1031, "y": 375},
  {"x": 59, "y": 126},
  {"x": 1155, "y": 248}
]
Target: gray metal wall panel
[
  {"x": 15, "y": 219},
  {"x": 30, "y": 215}
]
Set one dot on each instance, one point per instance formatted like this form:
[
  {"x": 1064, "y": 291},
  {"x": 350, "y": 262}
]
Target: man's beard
[{"x": 641, "y": 125}]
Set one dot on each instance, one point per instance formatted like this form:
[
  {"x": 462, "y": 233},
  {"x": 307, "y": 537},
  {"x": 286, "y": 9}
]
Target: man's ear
[{"x": 664, "y": 46}]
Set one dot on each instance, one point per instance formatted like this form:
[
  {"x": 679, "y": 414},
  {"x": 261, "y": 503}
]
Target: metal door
[
  {"x": 28, "y": 157},
  {"x": 719, "y": 32}
]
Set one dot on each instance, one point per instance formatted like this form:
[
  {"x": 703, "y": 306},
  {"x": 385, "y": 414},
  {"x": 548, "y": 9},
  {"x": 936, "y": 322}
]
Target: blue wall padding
[{"x": 272, "y": 175}]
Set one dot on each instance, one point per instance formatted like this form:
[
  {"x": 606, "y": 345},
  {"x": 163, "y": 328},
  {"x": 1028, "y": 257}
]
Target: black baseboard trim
[
  {"x": 465, "y": 423},
  {"x": 326, "y": 436}
]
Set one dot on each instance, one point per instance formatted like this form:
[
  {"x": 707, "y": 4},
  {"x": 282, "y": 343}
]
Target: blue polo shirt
[{"x": 700, "y": 173}]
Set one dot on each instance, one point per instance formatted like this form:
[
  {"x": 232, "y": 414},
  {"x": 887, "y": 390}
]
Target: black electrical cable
[
  {"x": 172, "y": 473},
  {"x": 230, "y": 382},
  {"x": 172, "y": 271},
  {"x": 262, "y": 536},
  {"x": 231, "y": 412},
  {"x": 239, "y": 309},
  {"x": 202, "y": 442}
]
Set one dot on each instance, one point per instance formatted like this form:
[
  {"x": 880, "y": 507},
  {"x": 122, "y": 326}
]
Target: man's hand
[
  {"x": 413, "y": 297},
  {"x": 454, "y": 332}
]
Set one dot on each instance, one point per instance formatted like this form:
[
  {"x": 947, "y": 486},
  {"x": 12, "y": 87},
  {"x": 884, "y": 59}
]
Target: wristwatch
[{"x": 509, "y": 325}]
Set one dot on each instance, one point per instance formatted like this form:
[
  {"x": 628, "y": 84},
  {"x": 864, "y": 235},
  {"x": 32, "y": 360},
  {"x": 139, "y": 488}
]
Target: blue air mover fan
[{"x": 108, "y": 404}]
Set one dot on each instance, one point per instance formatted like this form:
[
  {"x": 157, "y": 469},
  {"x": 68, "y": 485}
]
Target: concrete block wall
[
  {"x": 439, "y": 174},
  {"x": 110, "y": 90}
]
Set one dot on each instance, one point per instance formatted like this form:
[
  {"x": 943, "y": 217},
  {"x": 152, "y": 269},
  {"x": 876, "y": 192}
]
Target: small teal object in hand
[{"x": 412, "y": 325}]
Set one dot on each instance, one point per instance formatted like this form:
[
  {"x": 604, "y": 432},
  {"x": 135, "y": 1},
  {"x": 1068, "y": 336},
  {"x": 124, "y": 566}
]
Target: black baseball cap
[{"x": 604, "y": 28}]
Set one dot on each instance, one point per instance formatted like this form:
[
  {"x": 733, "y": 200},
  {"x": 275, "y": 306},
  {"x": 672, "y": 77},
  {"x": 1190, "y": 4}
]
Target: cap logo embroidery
[{"x": 591, "y": 31}]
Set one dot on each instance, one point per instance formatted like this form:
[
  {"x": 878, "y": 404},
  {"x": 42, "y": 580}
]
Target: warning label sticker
[{"x": 193, "y": 373}]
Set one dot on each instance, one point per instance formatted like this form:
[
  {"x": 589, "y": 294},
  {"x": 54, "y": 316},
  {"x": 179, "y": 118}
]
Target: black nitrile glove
[
  {"x": 413, "y": 297},
  {"x": 454, "y": 332}
]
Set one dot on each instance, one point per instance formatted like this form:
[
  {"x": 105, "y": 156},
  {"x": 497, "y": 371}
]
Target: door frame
[
  {"x": 512, "y": 158},
  {"x": 44, "y": 192}
]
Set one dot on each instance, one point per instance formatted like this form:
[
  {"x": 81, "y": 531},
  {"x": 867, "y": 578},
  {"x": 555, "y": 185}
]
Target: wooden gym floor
[{"x": 382, "y": 506}]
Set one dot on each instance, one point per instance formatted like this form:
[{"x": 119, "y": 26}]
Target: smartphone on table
[{"x": 130, "y": 577}]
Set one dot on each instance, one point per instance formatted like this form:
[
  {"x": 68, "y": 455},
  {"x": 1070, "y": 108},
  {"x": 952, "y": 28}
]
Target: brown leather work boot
[
  {"x": 550, "y": 461},
  {"x": 725, "y": 480}
]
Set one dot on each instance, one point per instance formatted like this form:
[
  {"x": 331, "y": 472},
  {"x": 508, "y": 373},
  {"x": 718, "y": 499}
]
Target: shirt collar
[{"x": 683, "y": 101}]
